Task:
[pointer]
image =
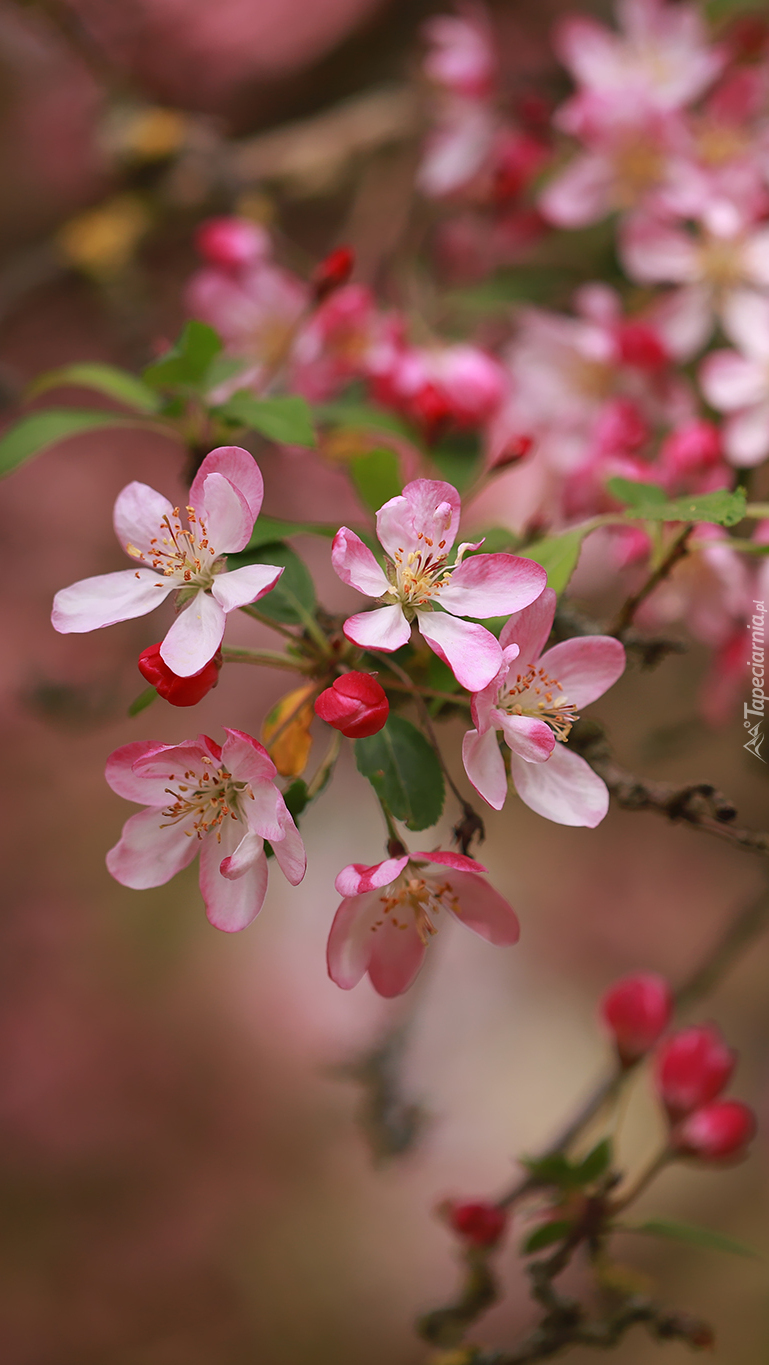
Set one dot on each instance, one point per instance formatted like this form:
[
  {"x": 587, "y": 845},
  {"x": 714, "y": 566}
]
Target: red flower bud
[
  {"x": 637, "y": 1010},
  {"x": 432, "y": 410},
  {"x": 641, "y": 347},
  {"x": 692, "y": 1068},
  {"x": 516, "y": 448},
  {"x": 354, "y": 704},
  {"x": 231, "y": 242},
  {"x": 715, "y": 1132},
  {"x": 332, "y": 272},
  {"x": 479, "y": 1223},
  {"x": 179, "y": 691}
]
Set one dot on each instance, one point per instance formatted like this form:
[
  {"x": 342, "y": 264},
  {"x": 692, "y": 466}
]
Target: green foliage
[
  {"x": 292, "y": 601},
  {"x": 556, "y": 1169},
  {"x": 376, "y": 477},
  {"x": 650, "y": 503},
  {"x": 40, "y": 430},
  {"x": 143, "y": 700},
  {"x": 457, "y": 459},
  {"x": 285, "y": 419},
  {"x": 404, "y": 771},
  {"x": 546, "y": 1235},
  {"x": 107, "y": 379},
  {"x": 558, "y": 555},
  {"x": 189, "y": 361},
  {"x": 693, "y": 1235},
  {"x": 296, "y": 797},
  {"x": 270, "y": 529},
  {"x": 361, "y": 417}
]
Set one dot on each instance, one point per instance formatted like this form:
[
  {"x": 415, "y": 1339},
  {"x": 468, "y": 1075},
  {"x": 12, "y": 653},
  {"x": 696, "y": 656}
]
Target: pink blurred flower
[
  {"x": 716, "y": 1132},
  {"x": 468, "y": 384},
  {"x": 458, "y": 148},
  {"x": 224, "y": 502},
  {"x": 737, "y": 382},
  {"x": 417, "y": 530},
  {"x": 636, "y": 1010},
  {"x": 690, "y": 458},
  {"x": 534, "y": 700},
  {"x": 256, "y": 312},
  {"x": 709, "y": 590},
  {"x": 335, "y": 345},
  {"x": 461, "y": 56},
  {"x": 232, "y": 243},
  {"x": 478, "y": 1223},
  {"x": 386, "y": 919},
  {"x": 201, "y": 798},
  {"x": 691, "y": 1068}
]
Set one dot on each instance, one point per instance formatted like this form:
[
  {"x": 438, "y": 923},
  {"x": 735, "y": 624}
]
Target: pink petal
[
  {"x": 585, "y": 667},
  {"x": 237, "y": 465},
  {"x": 289, "y": 851},
  {"x": 483, "y": 910},
  {"x": 591, "y": 52},
  {"x": 111, "y": 597},
  {"x": 239, "y": 862},
  {"x": 148, "y": 854},
  {"x": 485, "y": 766},
  {"x": 350, "y": 941},
  {"x": 530, "y": 738},
  {"x": 246, "y": 758},
  {"x": 396, "y": 957},
  {"x": 356, "y": 565},
  {"x": 194, "y": 637},
  {"x": 241, "y": 586},
  {"x": 746, "y": 322},
  {"x": 580, "y": 194},
  {"x": 530, "y": 628},
  {"x": 492, "y": 585},
  {"x": 148, "y": 789},
  {"x": 138, "y": 516},
  {"x": 471, "y": 651},
  {"x": 426, "y": 510},
  {"x": 730, "y": 381},
  {"x": 756, "y": 258},
  {"x": 225, "y": 515},
  {"x": 746, "y": 437},
  {"x": 565, "y": 789},
  {"x": 262, "y": 810},
  {"x": 684, "y": 320},
  {"x": 168, "y": 762},
  {"x": 230, "y": 905},
  {"x": 460, "y": 861},
  {"x": 651, "y": 252},
  {"x": 356, "y": 879},
  {"x": 384, "y": 628}
]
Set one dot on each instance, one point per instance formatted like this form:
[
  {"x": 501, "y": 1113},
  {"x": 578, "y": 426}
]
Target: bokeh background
[{"x": 187, "y": 1170}]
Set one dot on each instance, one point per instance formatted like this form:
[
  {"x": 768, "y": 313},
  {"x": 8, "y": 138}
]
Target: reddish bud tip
[
  {"x": 432, "y": 410},
  {"x": 179, "y": 691},
  {"x": 231, "y": 242},
  {"x": 355, "y": 704},
  {"x": 480, "y": 1224},
  {"x": 514, "y": 449},
  {"x": 637, "y": 1010},
  {"x": 715, "y": 1132},
  {"x": 692, "y": 1068},
  {"x": 333, "y": 272},
  {"x": 641, "y": 347}
]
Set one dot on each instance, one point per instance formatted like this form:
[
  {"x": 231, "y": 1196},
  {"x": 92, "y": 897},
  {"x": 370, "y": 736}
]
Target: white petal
[
  {"x": 96, "y": 602},
  {"x": 383, "y": 628},
  {"x": 564, "y": 789},
  {"x": 194, "y": 637},
  {"x": 241, "y": 586},
  {"x": 138, "y": 516},
  {"x": 225, "y": 515}
]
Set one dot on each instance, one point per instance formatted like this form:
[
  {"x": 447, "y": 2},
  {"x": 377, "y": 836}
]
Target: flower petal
[
  {"x": 241, "y": 586},
  {"x": 289, "y": 851},
  {"x": 350, "y": 941},
  {"x": 485, "y": 766},
  {"x": 730, "y": 381},
  {"x": 246, "y": 758},
  {"x": 396, "y": 957},
  {"x": 236, "y": 864},
  {"x": 530, "y": 628},
  {"x": 482, "y": 909},
  {"x": 138, "y": 517},
  {"x": 528, "y": 737},
  {"x": 356, "y": 879},
  {"x": 471, "y": 651},
  {"x": 149, "y": 853},
  {"x": 148, "y": 789},
  {"x": 652, "y": 251},
  {"x": 384, "y": 628},
  {"x": 460, "y": 861},
  {"x": 564, "y": 789},
  {"x": 426, "y": 510},
  {"x": 746, "y": 322},
  {"x": 111, "y": 597},
  {"x": 580, "y": 194},
  {"x": 240, "y": 468},
  {"x": 746, "y": 436},
  {"x": 492, "y": 585},
  {"x": 230, "y": 905},
  {"x": 194, "y": 637},
  {"x": 225, "y": 515},
  {"x": 356, "y": 565},
  {"x": 586, "y": 666}
]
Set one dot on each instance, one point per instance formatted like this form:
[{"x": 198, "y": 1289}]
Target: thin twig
[{"x": 676, "y": 551}]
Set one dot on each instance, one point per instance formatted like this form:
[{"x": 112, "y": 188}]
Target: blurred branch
[
  {"x": 676, "y": 551},
  {"x": 390, "y": 1120}
]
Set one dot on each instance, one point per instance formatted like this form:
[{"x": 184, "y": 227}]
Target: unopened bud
[
  {"x": 355, "y": 703},
  {"x": 480, "y": 1224},
  {"x": 179, "y": 691},
  {"x": 514, "y": 449},
  {"x": 333, "y": 272},
  {"x": 637, "y": 1010},
  {"x": 715, "y": 1132},
  {"x": 692, "y": 1068},
  {"x": 232, "y": 242}
]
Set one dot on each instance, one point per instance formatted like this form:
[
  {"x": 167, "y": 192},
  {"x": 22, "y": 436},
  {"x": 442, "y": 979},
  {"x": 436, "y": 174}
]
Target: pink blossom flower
[
  {"x": 336, "y": 343},
  {"x": 468, "y": 383},
  {"x": 224, "y": 502},
  {"x": 458, "y": 147},
  {"x": 220, "y": 802},
  {"x": 256, "y": 312},
  {"x": 461, "y": 57},
  {"x": 534, "y": 700},
  {"x": 719, "y": 1131},
  {"x": 386, "y": 919},
  {"x": 232, "y": 242},
  {"x": 737, "y": 382},
  {"x": 417, "y": 530},
  {"x": 710, "y": 590}
]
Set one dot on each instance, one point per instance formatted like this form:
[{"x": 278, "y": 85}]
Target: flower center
[
  {"x": 420, "y": 574},
  {"x": 186, "y": 556},
  {"x": 209, "y": 797},
  {"x": 638, "y": 167},
  {"x": 417, "y": 899},
  {"x": 535, "y": 694},
  {"x": 720, "y": 261}
]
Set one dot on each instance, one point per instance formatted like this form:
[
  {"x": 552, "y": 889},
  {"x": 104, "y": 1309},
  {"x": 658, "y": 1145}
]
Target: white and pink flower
[
  {"x": 737, "y": 382},
  {"x": 534, "y": 701},
  {"x": 389, "y": 914},
  {"x": 417, "y": 530},
  {"x": 461, "y": 56},
  {"x": 224, "y": 502},
  {"x": 220, "y": 802},
  {"x": 256, "y": 311}
]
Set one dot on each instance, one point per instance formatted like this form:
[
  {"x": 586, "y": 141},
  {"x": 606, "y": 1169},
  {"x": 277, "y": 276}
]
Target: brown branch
[{"x": 677, "y": 550}]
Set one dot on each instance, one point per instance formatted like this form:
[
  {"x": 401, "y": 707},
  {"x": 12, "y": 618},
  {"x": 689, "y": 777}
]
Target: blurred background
[{"x": 190, "y": 1166}]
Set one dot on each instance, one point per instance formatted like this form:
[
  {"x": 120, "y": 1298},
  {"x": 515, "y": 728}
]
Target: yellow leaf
[{"x": 286, "y": 731}]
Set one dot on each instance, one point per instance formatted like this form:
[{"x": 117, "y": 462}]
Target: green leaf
[
  {"x": 106, "y": 379},
  {"x": 376, "y": 477},
  {"x": 362, "y": 417},
  {"x": 457, "y": 458},
  {"x": 269, "y": 529},
  {"x": 632, "y": 493},
  {"x": 497, "y": 540},
  {"x": 36, "y": 432},
  {"x": 188, "y": 362},
  {"x": 693, "y": 1235},
  {"x": 643, "y": 501},
  {"x": 292, "y": 600},
  {"x": 296, "y": 797},
  {"x": 595, "y": 1163},
  {"x": 286, "y": 419},
  {"x": 546, "y": 1235},
  {"x": 558, "y": 555},
  {"x": 404, "y": 771},
  {"x": 143, "y": 700}
]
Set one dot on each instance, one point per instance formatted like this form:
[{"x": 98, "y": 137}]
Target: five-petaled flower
[
  {"x": 388, "y": 916},
  {"x": 534, "y": 701},
  {"x": 220, "y": 802},
  {"x": 417, "y": 530},
  {"x": 224, "y": 502}
]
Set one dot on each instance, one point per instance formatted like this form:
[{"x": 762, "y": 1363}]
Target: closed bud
[
  {"x": 692, "y": 1068},
  {"x": 480, "y": 1224},
  {"x": 179, "y": 691},
  {"x": 333, "y": 272},
  {"x": 232, "y": 242},
  {"x": 515, "y": 448},
  {"x": 637, "y": 1010},
  {"x": 715, "y": 1132},
  {"x": 355, "y": 704}
]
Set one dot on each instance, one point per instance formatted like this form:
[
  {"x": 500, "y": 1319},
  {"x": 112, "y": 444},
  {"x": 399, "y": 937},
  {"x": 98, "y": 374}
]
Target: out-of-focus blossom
[
  {"x": 461, "y": 385},
  {"x": 720, "y": 1131},
  {"x": 256, "y": 312},
  {"x": 355, "y": 703},
  {"x": 335, "y": 344},
  {"x": 178, "y": 691},
  {"x": 737, "y": 382},
  {"x": 389, "y": 914},
  {"x": 637, "y": 1010},
  {"x": 627, "y": 162},
  {"x": 691, "y": 458},
  {"x": 417, "y": 530},
  {"x": 534, "y": 701},
  {"x": 461, "y": 56},
  {"x": 232, "y": 243},
  {"x": 691, "y": 1068},
  {"x": 224, "y": 502},
  {"x": 458, "y": 148},
  {"x": 220, "y": 802},
  {"x": 333, "y": 271},
  {"x": 709, "y": 590},
  {"x": 478, "y": 1223}
]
